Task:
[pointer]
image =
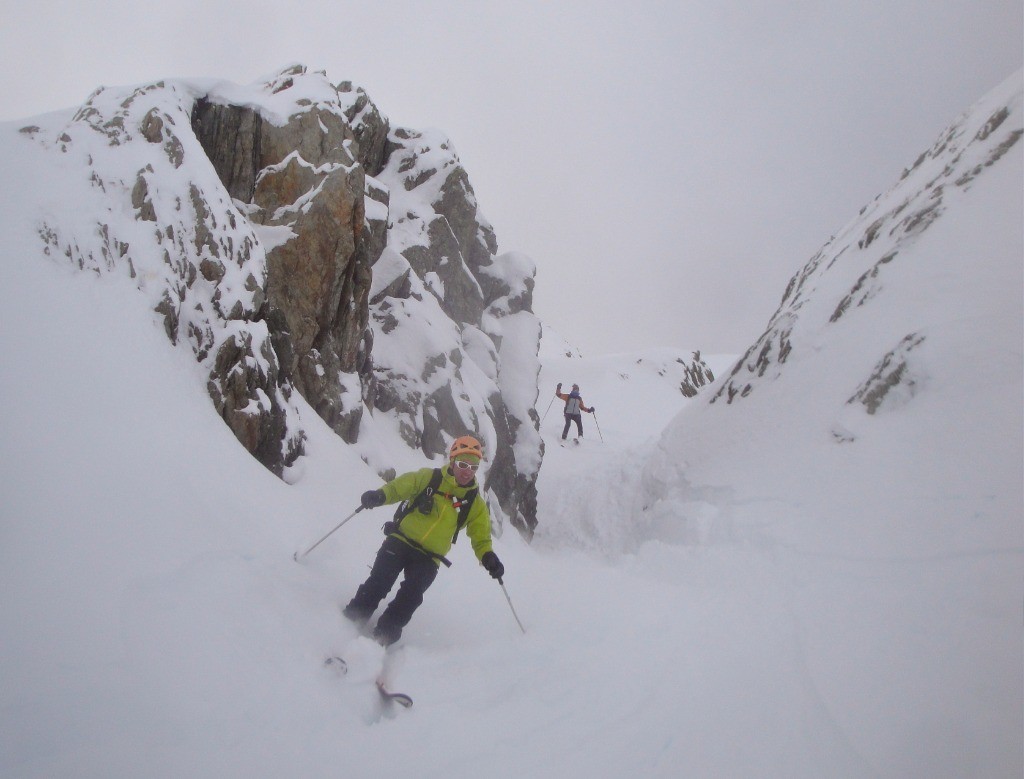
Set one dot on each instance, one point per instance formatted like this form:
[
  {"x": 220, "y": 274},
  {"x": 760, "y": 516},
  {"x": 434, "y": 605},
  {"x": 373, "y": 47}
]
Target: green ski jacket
[{"x": 434, "y": 531}]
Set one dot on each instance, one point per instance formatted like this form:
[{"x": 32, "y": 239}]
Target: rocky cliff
[{"x": 311, "y": 256}]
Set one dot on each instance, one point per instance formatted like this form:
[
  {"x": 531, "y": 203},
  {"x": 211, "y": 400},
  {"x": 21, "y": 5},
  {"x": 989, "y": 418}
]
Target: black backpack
[{"x": 424, "y": 503}]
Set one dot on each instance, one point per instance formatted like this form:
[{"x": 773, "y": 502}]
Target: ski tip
[
  {"x": 394, "y": 697},
  {"x": 336, "y": 664},
  {"x": 402, "y": 699}
]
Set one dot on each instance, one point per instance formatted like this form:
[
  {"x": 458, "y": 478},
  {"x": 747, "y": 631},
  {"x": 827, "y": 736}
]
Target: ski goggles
[{"x": 462, "y": 465}]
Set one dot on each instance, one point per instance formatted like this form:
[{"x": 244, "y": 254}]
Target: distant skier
[
  {"x": 438, "y": 502},
  {"x": 573, "y": 405}
]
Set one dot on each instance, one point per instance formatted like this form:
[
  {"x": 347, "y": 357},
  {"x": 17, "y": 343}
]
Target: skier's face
[{"x": 464, "y": 472}]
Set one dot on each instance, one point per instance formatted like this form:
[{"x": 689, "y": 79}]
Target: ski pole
[
  {"x": 511, "y": 606},
  {"x": 549, "y": 408},
  {"x": 296, "y": 556},
  {"x": 598, "y": 426}
]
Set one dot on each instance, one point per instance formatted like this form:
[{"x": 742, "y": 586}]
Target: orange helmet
[{"x": 467, "y": 447}]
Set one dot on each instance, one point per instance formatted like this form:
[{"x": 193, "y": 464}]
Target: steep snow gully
[{"x": 788, "y": 585}]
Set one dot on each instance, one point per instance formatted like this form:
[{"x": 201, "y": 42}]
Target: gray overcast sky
[{"x": 668, "y": 165}]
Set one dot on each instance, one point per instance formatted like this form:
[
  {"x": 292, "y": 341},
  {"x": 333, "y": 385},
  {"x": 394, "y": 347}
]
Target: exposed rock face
[
  {"x": 302, "y": 176},
  {"x": 231, "y": 137},
  {"x": 697, "y": 376},
  {"x": 440, "y": 256},
  {"x": 297, "y": 243},
  {"x": 893, "y": 382},
  {"x": 369, "y": 126}
]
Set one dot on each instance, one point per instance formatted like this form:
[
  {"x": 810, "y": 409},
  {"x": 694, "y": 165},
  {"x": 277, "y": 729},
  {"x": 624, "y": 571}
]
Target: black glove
[
  {"x": 593, "y": 409},
  {"x": 493, "y": 565},
  {"x": 372, "y": 499},
  {"x": 558, "y": 387}
]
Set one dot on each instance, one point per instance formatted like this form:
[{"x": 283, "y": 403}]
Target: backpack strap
[
  {"x": 425, "y": 497},
  {"x": 464, "y": 507}
]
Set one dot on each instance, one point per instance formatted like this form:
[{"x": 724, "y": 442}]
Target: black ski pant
[
  {"x": 569, "y": 419},
  {"x": 393, "y": 558}
]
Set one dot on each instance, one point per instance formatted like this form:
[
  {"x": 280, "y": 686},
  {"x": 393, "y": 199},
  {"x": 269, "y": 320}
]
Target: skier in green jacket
[{"x": 417, "y": 542}]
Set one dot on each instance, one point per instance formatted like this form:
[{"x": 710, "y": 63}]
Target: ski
[
  {"x": 393, "y": 697},
  {"x": 340, "y": 668}
]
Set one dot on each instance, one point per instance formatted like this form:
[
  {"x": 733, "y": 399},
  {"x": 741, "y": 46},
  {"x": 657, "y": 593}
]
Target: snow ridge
[{"x": 863, "y": 254}]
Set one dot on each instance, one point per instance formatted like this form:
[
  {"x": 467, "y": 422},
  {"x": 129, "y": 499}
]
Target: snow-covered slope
[
  {"x": 870, "y": 446},
  {"x": 633, "y": 397},
  {"x": 768, "y": 598}
]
